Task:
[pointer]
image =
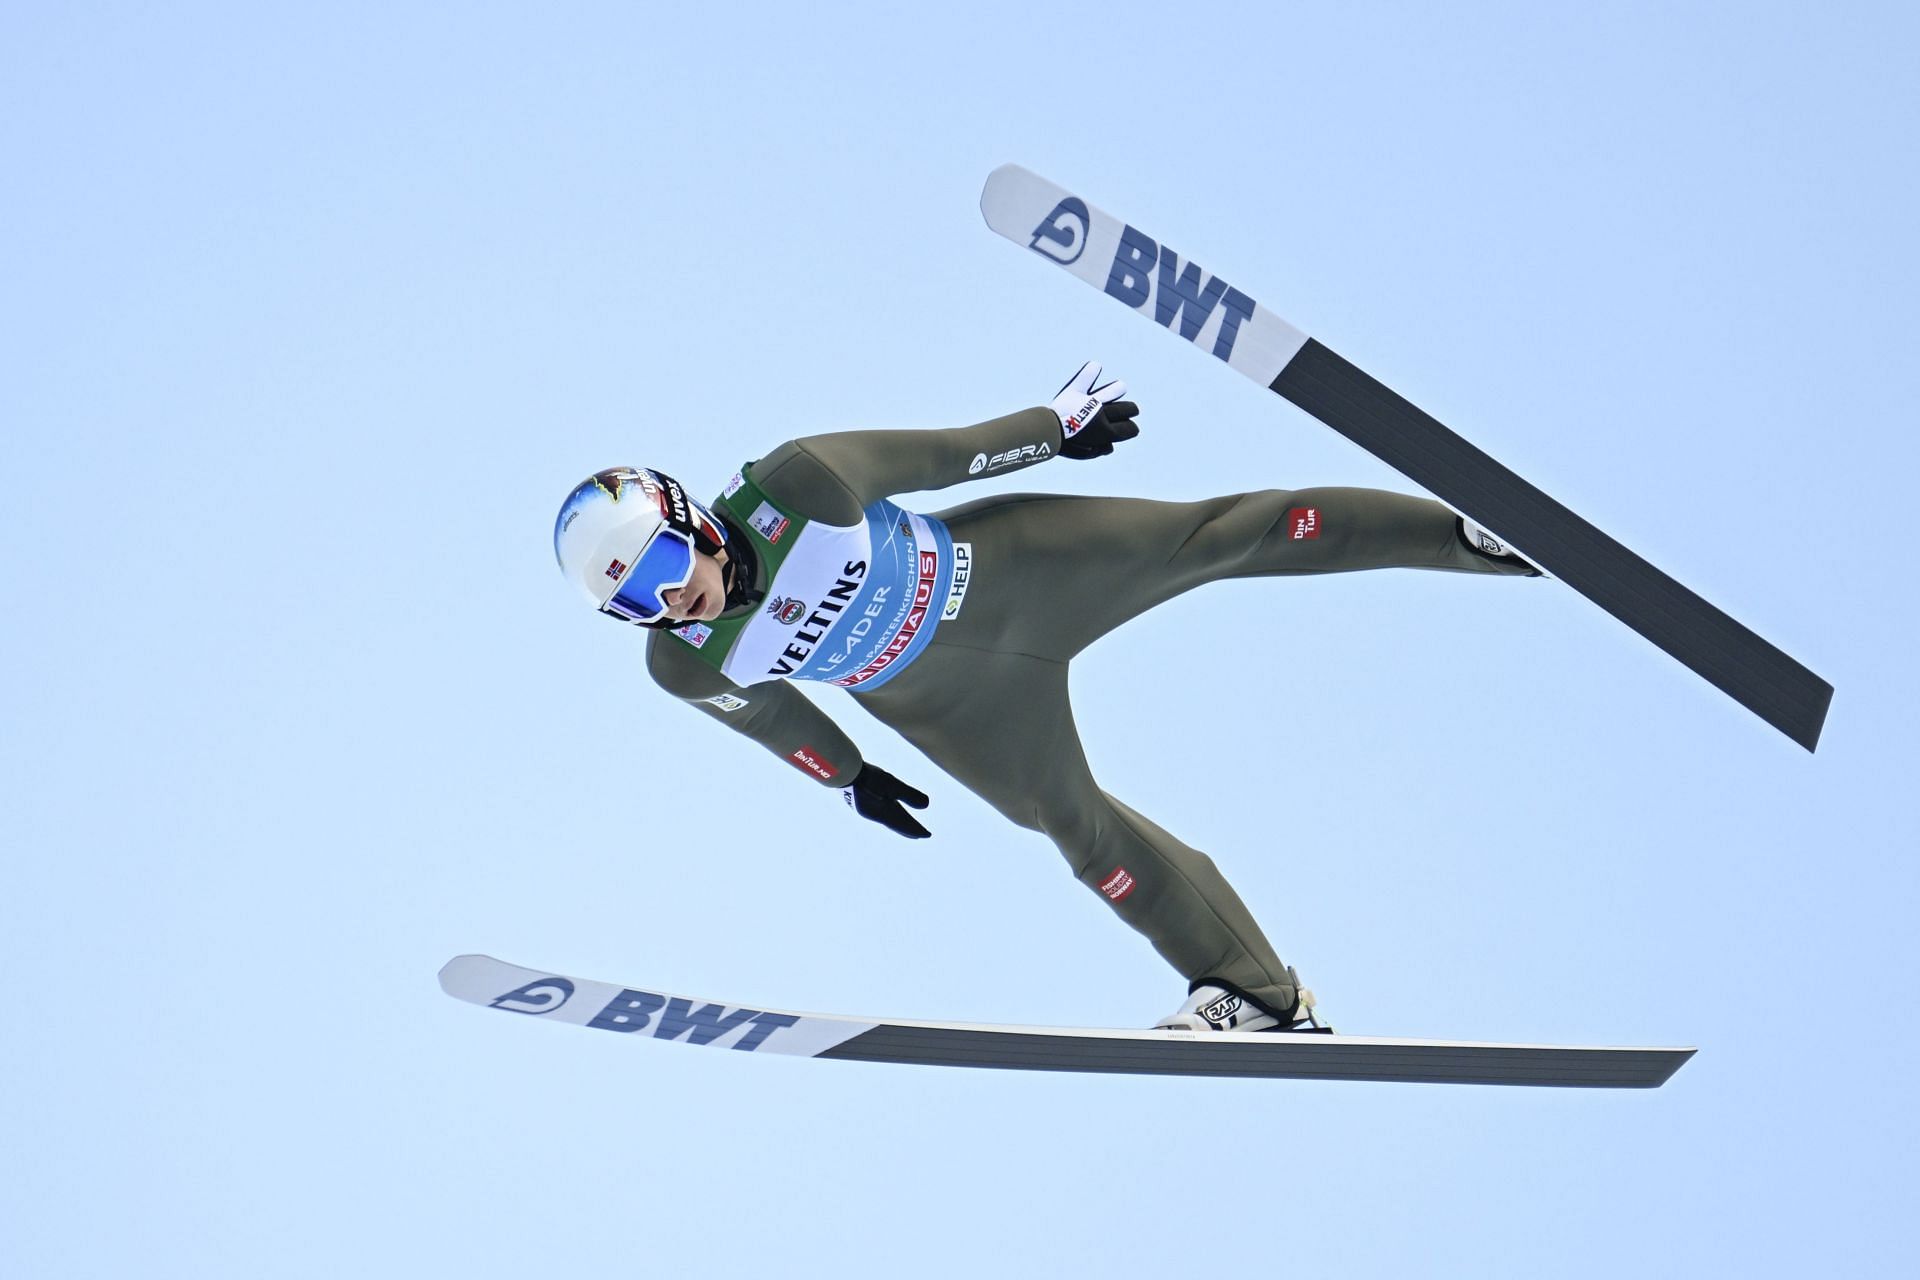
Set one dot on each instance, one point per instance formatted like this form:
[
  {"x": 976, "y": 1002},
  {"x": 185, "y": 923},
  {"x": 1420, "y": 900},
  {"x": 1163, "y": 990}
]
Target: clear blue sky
[{"x": 310, "y": 320}]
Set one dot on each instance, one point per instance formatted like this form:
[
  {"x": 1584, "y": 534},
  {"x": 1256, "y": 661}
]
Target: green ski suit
[{"x": 986, "y": 697}]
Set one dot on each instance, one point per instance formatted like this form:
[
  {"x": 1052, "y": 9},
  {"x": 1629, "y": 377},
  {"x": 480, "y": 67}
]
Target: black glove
[
  {"x": 1111, "y": 425},
  {"x": 1093, "y": 419},
  {"x": 878, "y": 795}
]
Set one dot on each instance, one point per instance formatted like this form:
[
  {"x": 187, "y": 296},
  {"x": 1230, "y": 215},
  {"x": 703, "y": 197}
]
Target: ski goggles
[{"x": 664, "y": 564}]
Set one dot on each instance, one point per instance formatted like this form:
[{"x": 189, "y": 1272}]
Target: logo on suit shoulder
[{"x": 768, "y": 523}]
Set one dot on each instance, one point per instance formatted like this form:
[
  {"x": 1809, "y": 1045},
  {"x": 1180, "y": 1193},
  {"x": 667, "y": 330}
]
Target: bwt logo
[
  {"x": 1186, "y": 293},
  {"x": 542, "y": 995},
  {"x": 670, "y": 1017},
  {"x": 1065, "y": 232}
]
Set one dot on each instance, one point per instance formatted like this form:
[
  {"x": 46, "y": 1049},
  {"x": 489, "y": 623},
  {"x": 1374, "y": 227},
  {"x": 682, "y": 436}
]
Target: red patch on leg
[
  {"x": 1303, "y": 523},
  {"x": 1118, "y": 885}
]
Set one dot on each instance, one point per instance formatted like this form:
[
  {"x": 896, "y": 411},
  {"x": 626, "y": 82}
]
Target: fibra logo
[
  {"x": 978, "y": 464},
  {"x": 1019, "y": 453},
  {"x": 1064, "y": 232},
  {"x": 542, "y": 995}
]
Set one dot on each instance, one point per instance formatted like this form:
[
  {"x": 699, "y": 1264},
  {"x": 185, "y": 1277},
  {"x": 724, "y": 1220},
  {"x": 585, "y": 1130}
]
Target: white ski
[
  {"x": 657, "y": 1015},
  {"x": 1150, "y": 277}
]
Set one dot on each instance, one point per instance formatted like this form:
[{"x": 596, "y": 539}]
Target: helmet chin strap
[{"x": 738, "y": 573}]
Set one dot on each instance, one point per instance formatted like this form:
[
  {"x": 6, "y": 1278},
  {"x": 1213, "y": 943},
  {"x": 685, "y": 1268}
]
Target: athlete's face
[{"x": 704, "y": 596}]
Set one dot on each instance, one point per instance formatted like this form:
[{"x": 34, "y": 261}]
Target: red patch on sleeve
[
  {"x": 1118, "y": 885},
  {"x": 809, "y": 759},
  {"x": 1303, "y": 523}
]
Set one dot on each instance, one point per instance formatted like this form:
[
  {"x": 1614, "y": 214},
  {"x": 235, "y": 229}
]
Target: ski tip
[
  {"x": 1816, "y": 718},
  {"x": 998, "y": 176},
  {"x": 451, "y": 967},
  {"x": 1679, "y": 1059},
  {"x": 999, "y": 187}
]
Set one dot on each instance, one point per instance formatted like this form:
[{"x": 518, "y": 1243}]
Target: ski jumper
[{"x": 957, "y": 630}]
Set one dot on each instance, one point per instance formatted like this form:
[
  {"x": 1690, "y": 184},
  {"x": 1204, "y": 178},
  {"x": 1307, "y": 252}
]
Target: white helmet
[{"x": 627, "y": 535}]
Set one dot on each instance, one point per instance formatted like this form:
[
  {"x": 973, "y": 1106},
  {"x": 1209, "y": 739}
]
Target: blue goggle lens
[{"x": 665, "y": 564}]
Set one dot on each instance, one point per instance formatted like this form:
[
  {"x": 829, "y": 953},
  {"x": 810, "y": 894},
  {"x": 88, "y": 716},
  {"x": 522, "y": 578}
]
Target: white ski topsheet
[
  {"x": 604, "y": 1006},
  {"x": 495, "y": 984},
  {"x": 1152, "y": 278},
  {"x": 1131, "y": 266}
]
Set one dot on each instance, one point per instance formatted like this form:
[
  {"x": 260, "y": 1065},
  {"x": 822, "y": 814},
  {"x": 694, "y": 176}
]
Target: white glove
[
  {"x": 1093, "y": 419},
  {"x": 1080, "y": 402}
]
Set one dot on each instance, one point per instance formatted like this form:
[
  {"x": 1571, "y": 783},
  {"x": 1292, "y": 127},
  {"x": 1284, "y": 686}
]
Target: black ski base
[{"x": 1746, "y": 667}]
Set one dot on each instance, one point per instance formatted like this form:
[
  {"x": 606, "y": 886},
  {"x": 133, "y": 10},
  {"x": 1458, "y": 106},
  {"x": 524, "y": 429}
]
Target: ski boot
[
  {"x": 1215, "y": 1008},
  {"x": 1487, "y": 545}
]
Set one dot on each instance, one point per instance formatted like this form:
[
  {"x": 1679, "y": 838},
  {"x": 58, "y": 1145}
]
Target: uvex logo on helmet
[{"x": 666, "y": 491}]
